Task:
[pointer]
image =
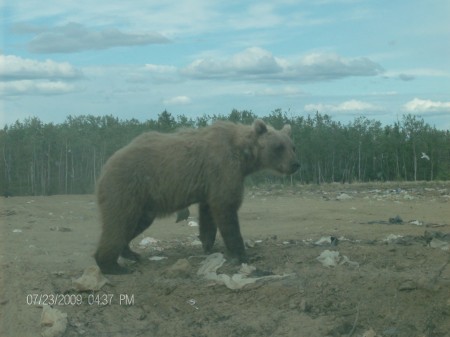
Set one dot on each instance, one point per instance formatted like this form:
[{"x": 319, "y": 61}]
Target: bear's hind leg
[{"x": 208, "y": 228}]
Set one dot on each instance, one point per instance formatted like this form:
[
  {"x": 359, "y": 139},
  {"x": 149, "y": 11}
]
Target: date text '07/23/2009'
[{"x": 79, "y": 299}]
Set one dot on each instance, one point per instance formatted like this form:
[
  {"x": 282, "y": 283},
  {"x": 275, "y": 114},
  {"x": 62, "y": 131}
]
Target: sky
[{"x": 134, "y": 59}]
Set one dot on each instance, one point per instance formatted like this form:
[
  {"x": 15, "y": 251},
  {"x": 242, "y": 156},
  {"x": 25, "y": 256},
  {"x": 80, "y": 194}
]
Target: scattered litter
[
  {"x": 437, "y": 239},
  {"x": 436, "y": 243},
  {"x": 192, "y": 302},
  {"x": 392, "y": 238},
  {"x": 396, "y": 220},
  {"x": 369, "y": 333},
  {"x": 147, "y": 241},
  {"x": 330, "y": 258},
  {"x": 327, "y": 240},
  {"x": 343, "y": 196},
  {"x": 17, "y": 231},
  {"x": 92, "y": 279},
  {"x": 209, "y": 267},
  {"x": 346, "y": 260},
  {"x": 193, "y": 223},
  {"x": 58, "y": 273},
  {"x": 157, "y": 258},
  {"x": 416, "y": 222},
  {"x": 53, "y": 321},
  {"x": 8, "y": 212},
  {"x": 249, "y": 243}
]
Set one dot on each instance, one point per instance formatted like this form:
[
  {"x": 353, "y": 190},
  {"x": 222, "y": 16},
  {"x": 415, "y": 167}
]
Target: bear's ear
[
  {"x": 259, "y": 126},
  {"x": 286, "y": 129}
]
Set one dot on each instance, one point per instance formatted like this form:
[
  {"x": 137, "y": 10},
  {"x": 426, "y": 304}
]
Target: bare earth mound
[{"x": 392, "y": 276}]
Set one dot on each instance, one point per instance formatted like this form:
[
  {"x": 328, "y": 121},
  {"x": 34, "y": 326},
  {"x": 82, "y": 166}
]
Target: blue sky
[{"x": 134, "y": 59}]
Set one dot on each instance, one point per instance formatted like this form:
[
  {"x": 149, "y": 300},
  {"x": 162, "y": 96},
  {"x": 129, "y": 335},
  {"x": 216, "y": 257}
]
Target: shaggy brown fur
[{"x": 158, "y": 174}]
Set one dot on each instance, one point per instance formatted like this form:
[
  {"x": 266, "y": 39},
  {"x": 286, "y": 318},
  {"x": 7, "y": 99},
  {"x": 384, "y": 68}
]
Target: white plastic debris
[
  {"x": 324, "y": 240},
  {"x": 147, "y": 241},
  {"x": 369, "y": 333},
  {"x": 209, "y": 266},
  {"x": 193, "y": 223},
  {"x": 425, "y": 156},
  {"x": 392, "y": 238},
  {"x": 17, "y": 231},
  {"x": 346, "y": 260},
  {"x": 416, "y": 222},
  {"x": 53, "y": 321},
  {"x": 92, "y": 279},
  {"x": 436, "y": 243},
  {"x": 157, "y": 258},
  {"x": 343, "y": 196},
  {"x": 331, "y": 258},
  {"x": 249, "y": 243}
]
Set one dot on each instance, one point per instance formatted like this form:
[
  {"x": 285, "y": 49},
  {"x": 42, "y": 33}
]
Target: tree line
[{"x": 45, "y": 158}]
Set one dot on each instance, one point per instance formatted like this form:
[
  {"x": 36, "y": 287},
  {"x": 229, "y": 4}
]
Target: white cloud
[
  {"x": 75, "y": 37},
  {"x": 20, "y": 76},
  {"x": 260, "y": 64},
  {"x": 347, "y": 106},
  {"x": 406, "y": 77},
  {"x": 170, "y": 18},
  {"x": 17, "y": 68},
  {"x": 260, "y": 15},
  {"x": 253, "y": 61},
  {"x": 328, "y": 66},
  {"x": 177, "y": 100},
  {"x": 418, "y": 105},
  {"x": 287, "y": 91},
  {"x": 412, "y": 74},
  {"x": 160, "y": 69},
  {"x": 32, "y": 87}
]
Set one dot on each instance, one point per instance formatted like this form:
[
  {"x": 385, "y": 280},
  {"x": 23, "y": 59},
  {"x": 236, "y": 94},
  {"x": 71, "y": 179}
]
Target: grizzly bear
[{"x": 158, "y": 174}]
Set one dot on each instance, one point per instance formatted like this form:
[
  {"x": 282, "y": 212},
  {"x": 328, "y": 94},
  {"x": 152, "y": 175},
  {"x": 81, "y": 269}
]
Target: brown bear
[{"x": 158, "y": 174}]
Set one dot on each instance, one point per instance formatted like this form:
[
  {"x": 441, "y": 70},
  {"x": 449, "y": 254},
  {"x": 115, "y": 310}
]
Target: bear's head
[{"x": 275, "y": 149}]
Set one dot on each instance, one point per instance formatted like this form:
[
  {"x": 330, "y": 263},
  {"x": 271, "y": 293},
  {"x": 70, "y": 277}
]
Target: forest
[{"x": 44, "y": 158}]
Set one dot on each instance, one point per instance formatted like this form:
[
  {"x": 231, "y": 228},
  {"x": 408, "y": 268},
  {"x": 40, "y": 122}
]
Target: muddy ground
[{"x": 398, "y": 284}]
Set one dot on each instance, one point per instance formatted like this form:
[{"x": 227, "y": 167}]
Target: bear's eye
[{"x": 279, "y": 148}]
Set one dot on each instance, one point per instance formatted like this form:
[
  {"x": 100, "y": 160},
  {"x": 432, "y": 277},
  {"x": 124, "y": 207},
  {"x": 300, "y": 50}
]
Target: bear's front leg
[
  {"x": 227, "y": 220},
  {"x": 208, "y": 228}
]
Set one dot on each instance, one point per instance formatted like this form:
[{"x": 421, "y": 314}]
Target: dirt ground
[{"x": 398, "y": 283}]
